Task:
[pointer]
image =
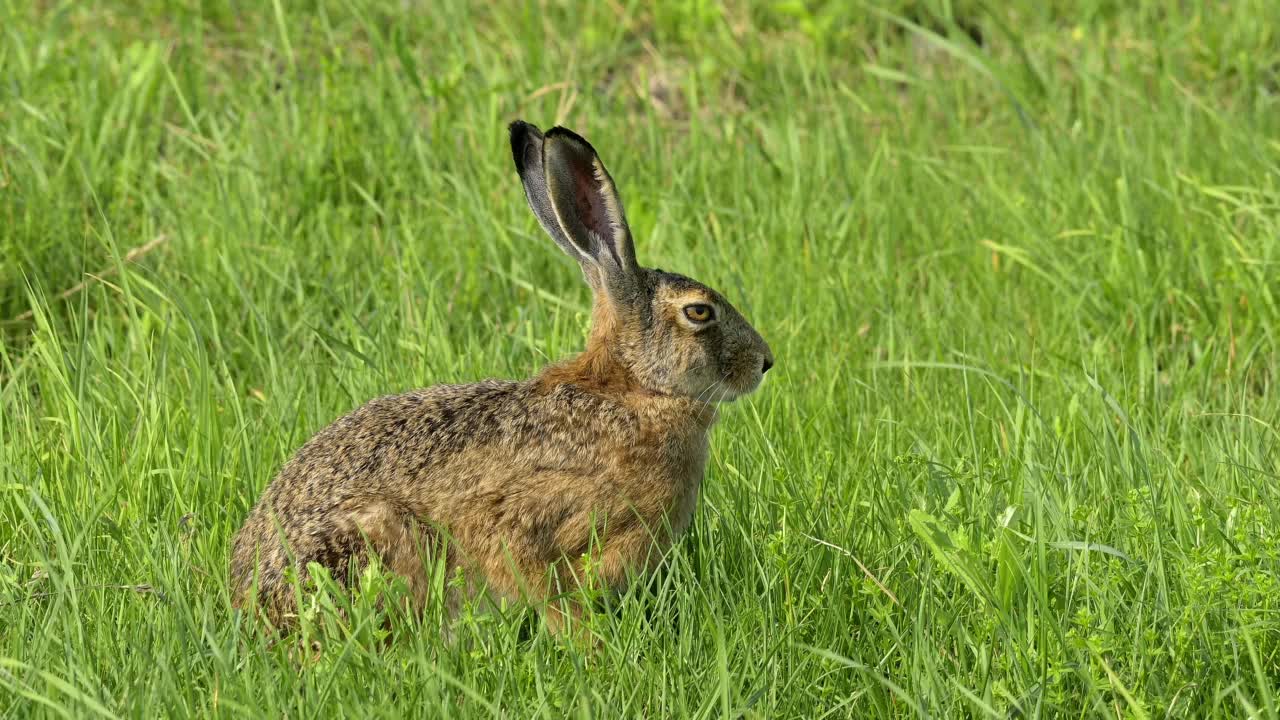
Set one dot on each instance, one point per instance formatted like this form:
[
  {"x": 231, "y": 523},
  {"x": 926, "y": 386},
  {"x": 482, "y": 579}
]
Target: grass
[{"x": 1020, "y": 267}]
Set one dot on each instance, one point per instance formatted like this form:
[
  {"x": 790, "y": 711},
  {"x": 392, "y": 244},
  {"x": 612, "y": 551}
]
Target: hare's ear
[
  {"x": 574, "y": 199},
  {"x": 527, "y": 151},
  {"x": 587, "y": 205}
]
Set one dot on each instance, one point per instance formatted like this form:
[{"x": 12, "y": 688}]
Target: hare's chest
[
  {"x": 674, "y": 480},
  {"x": 687, "y": 488}
]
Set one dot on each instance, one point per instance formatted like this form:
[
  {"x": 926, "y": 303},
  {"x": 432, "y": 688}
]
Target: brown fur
[{"x": 517, "y": 483}]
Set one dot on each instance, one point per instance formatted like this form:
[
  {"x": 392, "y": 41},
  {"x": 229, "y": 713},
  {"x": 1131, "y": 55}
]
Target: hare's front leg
[
  {"x": 608, "y": 567},
  {"x": 565, "y": 616}
]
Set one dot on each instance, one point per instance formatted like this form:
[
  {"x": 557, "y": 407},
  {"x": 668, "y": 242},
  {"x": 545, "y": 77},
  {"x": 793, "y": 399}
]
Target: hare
[{"x": 587, "y": 472}]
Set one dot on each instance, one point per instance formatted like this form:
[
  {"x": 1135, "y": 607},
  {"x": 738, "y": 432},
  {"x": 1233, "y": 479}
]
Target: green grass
[{"x": 1019, "y": 455}]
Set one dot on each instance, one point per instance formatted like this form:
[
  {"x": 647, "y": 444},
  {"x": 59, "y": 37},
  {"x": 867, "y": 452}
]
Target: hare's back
[
  {"x": 396, "y": 439},
  {"x": 390, "y": 444}
]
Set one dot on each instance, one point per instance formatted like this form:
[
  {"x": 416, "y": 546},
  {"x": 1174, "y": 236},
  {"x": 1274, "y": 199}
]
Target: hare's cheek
[{"x": 695, "y": 381}]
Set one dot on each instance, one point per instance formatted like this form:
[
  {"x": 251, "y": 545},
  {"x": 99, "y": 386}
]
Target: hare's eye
[{"x": 700, "y": 313}]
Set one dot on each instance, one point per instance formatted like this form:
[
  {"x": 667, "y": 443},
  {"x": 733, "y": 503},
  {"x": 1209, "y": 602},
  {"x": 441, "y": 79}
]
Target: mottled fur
[{"x": 516, "y": 481}]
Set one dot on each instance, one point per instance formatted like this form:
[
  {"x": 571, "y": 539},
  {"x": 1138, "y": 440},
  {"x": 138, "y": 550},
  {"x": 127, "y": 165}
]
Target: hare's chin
[{"x": 735, "y": 392}]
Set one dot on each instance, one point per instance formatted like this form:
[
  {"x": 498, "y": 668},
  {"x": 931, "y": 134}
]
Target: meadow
[{"x": 1019, "y": 265}]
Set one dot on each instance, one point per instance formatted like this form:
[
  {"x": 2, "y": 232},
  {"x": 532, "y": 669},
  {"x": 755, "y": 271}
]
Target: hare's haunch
[{"x": 514, "y": 482}]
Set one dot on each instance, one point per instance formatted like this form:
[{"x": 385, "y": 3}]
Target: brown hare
[{"x": 585, "y": 473}]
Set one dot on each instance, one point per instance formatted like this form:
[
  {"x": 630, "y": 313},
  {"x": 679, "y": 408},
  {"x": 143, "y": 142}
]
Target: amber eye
[{"x": 700, "y": 313}]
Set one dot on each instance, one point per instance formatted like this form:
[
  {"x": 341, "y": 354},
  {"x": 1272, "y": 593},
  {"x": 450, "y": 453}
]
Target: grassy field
[{"x": 1020, "y": 267}]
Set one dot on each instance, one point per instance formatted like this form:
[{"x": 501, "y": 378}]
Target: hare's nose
[{"x": 764, "y": 367}]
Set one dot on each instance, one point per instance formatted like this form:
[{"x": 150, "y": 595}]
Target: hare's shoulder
[
  {"x": 643, "y": 427},
  {"x": 568, "y": 415}
]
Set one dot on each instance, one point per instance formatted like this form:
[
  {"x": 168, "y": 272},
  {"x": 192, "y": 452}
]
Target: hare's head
[{"x": 670, "y": 334}]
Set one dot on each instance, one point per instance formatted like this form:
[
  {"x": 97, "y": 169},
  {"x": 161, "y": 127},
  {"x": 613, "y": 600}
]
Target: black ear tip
[
  {"x": 566, "y": 133},
  {"x": 522, "y": 136}
]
